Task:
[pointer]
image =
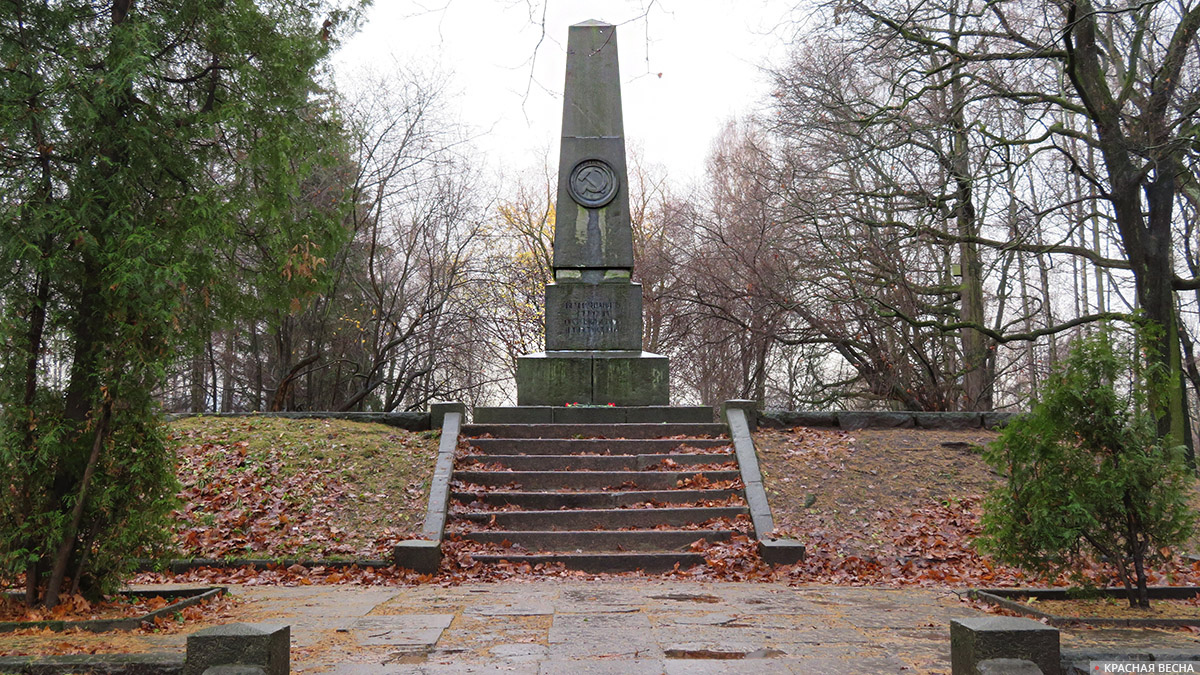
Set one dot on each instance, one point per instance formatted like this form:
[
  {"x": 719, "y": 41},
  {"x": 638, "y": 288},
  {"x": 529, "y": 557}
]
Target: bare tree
[
  {"x": 373, "y": 319},
  {"x": 1127, "y": 78}
]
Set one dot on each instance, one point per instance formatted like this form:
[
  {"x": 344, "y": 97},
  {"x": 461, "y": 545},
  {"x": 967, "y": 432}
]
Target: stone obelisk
[{"x": 593, "y": 311}]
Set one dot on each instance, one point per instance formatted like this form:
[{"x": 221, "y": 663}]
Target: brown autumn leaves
[{"x": 885, "y": 507}]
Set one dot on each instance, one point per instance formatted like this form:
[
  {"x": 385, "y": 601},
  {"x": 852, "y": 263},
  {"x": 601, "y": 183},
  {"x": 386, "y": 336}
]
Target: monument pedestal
[{"x": 592, "y": 378}]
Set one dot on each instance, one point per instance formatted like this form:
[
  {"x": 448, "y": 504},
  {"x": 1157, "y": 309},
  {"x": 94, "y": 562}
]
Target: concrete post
[
  {"x": 976, "y": 641},
  {"x": 239, "y": 645},
  {"x": 750, "y": 408},
  {"x": 773, "y": 551}
]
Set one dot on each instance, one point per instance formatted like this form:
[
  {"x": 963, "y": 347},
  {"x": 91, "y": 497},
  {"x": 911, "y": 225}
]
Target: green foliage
[
  {"x": 142, "y": 145},
  {"x": 1087, "y": 472}
]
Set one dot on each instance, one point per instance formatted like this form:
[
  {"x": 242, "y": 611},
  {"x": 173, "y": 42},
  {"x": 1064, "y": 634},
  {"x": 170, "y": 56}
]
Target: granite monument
[{"x": 593, "y": 309}]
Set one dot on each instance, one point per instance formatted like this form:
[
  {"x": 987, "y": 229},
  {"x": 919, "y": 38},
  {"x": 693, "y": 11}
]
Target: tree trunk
[
  {"x": 978, "y": 382},
  {"x": 66, "y": 548},
  {"x": 228, "y": 360},
  {"x": 36, "y": 339},
  {"x": 1147, "y": 240},
  {"x": 256, "y": 353},
  {"x": 37, "y": 327},
  {"x": 1149, "y": 252},
  {"x": 280, "y": 401}
]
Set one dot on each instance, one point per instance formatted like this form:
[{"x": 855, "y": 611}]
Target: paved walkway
[
  {"x": 623, "y": 625},
  {"x": 629, "y": 626}
]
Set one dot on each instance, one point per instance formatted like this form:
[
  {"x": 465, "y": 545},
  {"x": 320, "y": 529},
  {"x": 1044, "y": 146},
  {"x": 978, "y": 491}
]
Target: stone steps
[
  {"x": 531, "y": 414},
  {"x": 599, "y": 562},
  {"x": 593, "y": 519},
  {"x": 606, "y": 431},
  {"x": 589, "y": 500},
  {"x": 613, "y": 480},
  {"x": 580, "y": 541},
  {"x": 608, "y": 463},
  {"x": 595, "y": 446},
  {"x": 577, "y": 494}
]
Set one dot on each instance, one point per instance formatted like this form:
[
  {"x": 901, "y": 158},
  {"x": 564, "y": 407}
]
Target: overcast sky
[{"x": 686, "y": 67}]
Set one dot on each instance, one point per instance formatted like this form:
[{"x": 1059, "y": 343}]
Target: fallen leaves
[
  {"x": 78, "y": 608},
  {"x": 895, "y": 508},
  {"x": 292, "y": 575},
  {"x": 702, "y": 482},
  {"x": 118, "y": 606},
  {"x": 467, "y": 486},
  {"x": 669, "y": 464},
  {"x": 732, "y": 500},
  {"x": 269, "y": 488},
  {"x": 736, "y": 559}
]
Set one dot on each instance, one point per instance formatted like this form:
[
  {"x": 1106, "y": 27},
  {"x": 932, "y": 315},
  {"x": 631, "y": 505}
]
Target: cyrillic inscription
[{"x": 588, "y": 317}]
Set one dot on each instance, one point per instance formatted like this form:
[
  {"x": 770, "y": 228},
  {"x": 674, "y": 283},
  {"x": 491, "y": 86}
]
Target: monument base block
[
  {"x": 604, "y": 316},
  {"x": 592, "y": 378}
]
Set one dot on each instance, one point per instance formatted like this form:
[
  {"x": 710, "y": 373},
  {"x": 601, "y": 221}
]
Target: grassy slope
[{"x": 269, "y": 487}]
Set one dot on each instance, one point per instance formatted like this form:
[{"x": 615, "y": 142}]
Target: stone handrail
[
  {"x": 773, "y": 550},
  {"x": 425, "y": 555}
]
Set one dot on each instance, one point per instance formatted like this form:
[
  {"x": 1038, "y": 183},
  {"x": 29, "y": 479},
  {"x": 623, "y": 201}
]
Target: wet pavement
[
  {"x": 608, "y": 625},
  {"x": 628, "y": 626}
]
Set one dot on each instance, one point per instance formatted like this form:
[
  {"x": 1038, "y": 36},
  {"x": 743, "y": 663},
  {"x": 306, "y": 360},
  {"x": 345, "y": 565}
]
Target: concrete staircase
[{"x": 598, "y": 497}]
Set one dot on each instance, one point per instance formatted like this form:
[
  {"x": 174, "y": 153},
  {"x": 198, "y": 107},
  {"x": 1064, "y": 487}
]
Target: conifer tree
[{"x": 140, "y": 144}]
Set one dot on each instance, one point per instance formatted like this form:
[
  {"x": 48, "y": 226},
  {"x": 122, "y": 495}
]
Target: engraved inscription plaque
[
  {"x": 586, "y": 318},
  {"x": 594, "y": 316}
]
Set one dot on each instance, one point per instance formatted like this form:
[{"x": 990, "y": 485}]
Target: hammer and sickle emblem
[{"x": 592, "y": 183}]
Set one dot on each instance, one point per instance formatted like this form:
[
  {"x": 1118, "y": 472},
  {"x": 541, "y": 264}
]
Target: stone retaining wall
[
  {"x": 784, "y": 419},
  {"x": 776, "y": 419},
  {"x": 410, "y": 421}
]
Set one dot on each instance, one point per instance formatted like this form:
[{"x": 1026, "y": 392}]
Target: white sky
[{"x": 708, "y": 52}]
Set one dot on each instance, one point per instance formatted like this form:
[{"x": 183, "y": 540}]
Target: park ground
[
  {"x": 609, "y": 625},
  {"x": 887, "y": 515}
]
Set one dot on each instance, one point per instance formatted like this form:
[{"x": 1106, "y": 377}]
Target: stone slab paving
[
  {"x": 628, "y": 626},
  {"x": 632, "y": 625}
]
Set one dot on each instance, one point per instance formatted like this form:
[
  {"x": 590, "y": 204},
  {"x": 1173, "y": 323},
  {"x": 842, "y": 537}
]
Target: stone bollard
[
  {"x": 239, "y": 649},
  {"x": 781, "y": 551},
  {"x": 422, "y": 556},
  {"x": 982, "y": 645}
]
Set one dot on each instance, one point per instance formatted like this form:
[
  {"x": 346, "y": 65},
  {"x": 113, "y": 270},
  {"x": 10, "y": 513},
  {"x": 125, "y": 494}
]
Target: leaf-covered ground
[
  {"x": 874, "y": 507},
  {"x": 855, "y": 489},
  {"x": 258, "y": 487},
  {"x": 1118, "y": 608},
  {"x": 78, "y": 608},
  {"x": 44, "y": 642},
  {"x": 897, "y": 507}
]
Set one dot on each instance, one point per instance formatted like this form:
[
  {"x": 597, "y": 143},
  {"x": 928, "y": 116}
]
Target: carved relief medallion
[{"x": 593, "y": 183}]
